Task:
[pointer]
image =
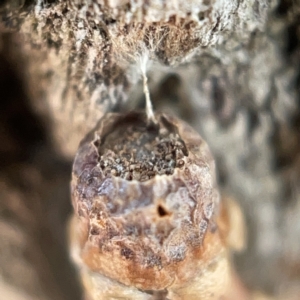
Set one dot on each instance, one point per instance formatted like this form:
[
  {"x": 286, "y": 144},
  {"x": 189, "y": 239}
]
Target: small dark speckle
[
  {"x": 127, "y": 253},
  {"x": 161, "y": 211},
  {"x": 110, "y": 21},
  {"x": 213, "y": 228},
  {"x": 153, "y": 260},
  {"x": 203, "y": 226},
  {"x": 201, "y": 15},
  {"x": 95, "y": 231}
]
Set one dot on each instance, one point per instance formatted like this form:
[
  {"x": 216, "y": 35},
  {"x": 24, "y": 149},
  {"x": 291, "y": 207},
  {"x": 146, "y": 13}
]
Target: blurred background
[{"x": 34, "y": 196}]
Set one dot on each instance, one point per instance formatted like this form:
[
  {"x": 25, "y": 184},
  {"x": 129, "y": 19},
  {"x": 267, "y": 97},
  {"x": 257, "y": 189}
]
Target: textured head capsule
[{"x": 146, "y": 202}]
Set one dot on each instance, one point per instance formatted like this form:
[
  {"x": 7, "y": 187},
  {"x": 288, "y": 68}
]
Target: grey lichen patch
[{"x": 137, "y": 150}]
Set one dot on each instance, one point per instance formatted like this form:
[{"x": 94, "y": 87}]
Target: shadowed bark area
[
  {"x": 34, "y": 198},
  {"x": 237, "y": 82}
]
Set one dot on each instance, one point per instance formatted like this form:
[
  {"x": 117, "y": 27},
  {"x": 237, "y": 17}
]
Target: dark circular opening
[
  {"x": 161, "y": 211},
  {"x": 136, "y": 150}
]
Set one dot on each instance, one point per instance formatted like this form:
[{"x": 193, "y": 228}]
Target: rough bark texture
[{"x": 230, "y": 68}]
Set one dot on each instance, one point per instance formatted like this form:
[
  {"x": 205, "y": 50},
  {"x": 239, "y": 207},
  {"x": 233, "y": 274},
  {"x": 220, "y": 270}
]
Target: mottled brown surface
[{"x": 149, "y": 235}]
